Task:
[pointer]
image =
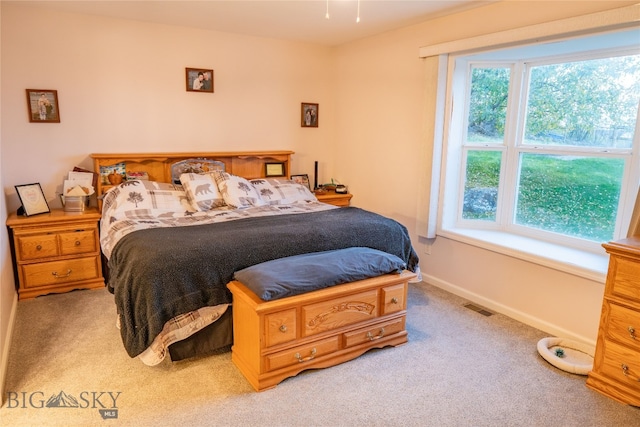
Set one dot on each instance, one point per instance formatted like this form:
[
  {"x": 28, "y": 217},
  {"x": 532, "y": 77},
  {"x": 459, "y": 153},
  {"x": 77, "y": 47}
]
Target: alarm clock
[{"x": 341, "y": 189}]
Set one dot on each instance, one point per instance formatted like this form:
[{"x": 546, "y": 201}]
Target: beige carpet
[{"x": 459, "y": 368}]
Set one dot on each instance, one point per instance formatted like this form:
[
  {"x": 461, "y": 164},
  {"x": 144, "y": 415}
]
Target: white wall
[
  {"x": 382, "y": 94},
  {"x": 121, "y": 89}
]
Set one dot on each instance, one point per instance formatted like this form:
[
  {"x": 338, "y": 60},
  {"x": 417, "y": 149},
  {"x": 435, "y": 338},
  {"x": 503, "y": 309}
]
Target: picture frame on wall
[
  {"x": 43, "y": 106},
  {"x": 309, "y": 115},
  {"x": 199, "y": 80},
  {"x": 32, "y": 199},
  {"x": 302, "y": 179}
]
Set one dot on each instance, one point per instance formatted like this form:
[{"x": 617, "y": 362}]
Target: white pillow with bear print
[{"x": 202, "y": 191}]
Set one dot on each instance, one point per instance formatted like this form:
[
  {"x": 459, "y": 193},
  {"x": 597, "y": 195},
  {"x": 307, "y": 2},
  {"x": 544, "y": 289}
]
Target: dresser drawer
[
  {"x": 36, "y": 247},
  {"x": 78, "y": 242},
  {"x": 373, "y": 333},
  {"x": 624, "y": 326},
  {"x": 280, "y": 327},
  {"x": 621, "y": 364},
  {"x": 301, "y": 354},
  {"x": 58, "y": 272},
  {"x": 339, "y": 312},
  {"x": 625, "y": 281},
  {"x": 393, "y": 298}
]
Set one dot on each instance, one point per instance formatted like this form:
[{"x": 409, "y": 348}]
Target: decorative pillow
[
  {"x": 282, "y": 191},
  {"x": 140, "y": 194},
  {"x": 202, "y": 191},
  {"x": 237, "y": 191}
]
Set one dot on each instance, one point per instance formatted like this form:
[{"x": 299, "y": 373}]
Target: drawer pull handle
[
  {"x": 625, "y": 371},
  {"x": 77, "y": 242},
  {"x": 39, "y": 247},
  {"x": 306, "y": 359},
  {"x": 632, "y": 332},
  {"x": 394, "y": 300},
  {"x": 377, "y": 337},
  {"x": 55, "y": 274},
  {"x": 283, "y": 328}
]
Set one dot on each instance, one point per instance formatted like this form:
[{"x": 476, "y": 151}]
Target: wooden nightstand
[
  {"x": 55, "y": 252},
  {"x": 334, "y": 198},
  {"x": 616, "y": 364}
]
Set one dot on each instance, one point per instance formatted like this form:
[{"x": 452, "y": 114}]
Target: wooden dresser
[
  {"x": 55, "y": 252},
  {"x": 274, "y": 340},
  {"x": 616, "y": 367}
]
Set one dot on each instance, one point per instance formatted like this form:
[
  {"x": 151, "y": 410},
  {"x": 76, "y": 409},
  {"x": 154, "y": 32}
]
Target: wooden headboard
[{"x": 248, "y": 164}]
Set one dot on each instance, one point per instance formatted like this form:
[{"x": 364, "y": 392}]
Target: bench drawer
[
  {"x": 373, "y": 333},
  {"x": 338, "y": 312},
  {"x": 301, "y": 354}
]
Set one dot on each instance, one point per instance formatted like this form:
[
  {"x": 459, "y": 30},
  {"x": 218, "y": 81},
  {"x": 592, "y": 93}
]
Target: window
[{"x": 542, "y": 141}]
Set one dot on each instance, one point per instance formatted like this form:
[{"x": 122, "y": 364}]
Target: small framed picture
[
  {"x": 274, "y": 169},
  {"x": 32, "y": 199},
  {"x": 301, "y": 179},
  {"x": 43, "y": 106},
  {"x": 309, "y": 114},
  {"x": 199, "y": 80}
]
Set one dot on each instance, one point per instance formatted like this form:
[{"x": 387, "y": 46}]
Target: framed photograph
[
  {"x": 32, "y": 199},
  {"x": 301, "y": 179},
  {"x": 309, "y": 114},
  {"x": 199, "y": 80},
  {"x": 274, "y": 169},
  {"x": 43, "y": 106}
]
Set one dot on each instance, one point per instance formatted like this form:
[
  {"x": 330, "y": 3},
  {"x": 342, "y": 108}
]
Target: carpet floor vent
[{"x": 478, "y": 309}]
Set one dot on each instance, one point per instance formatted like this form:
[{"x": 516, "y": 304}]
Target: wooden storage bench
[{"x": 277, "y": 339}]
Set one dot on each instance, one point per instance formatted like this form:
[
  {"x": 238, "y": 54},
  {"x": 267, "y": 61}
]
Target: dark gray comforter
[{"x": 157, "y": 274}]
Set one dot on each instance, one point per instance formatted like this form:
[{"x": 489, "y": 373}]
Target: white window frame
[{"x": 583, "y": 258}]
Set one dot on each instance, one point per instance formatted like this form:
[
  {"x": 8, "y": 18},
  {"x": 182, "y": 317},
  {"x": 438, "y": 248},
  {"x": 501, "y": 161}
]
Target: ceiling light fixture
[{"x": 326, "y": 15}]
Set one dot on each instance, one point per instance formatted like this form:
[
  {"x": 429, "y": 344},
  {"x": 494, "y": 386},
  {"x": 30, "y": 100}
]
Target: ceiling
[{"x": 297, "y": 20}]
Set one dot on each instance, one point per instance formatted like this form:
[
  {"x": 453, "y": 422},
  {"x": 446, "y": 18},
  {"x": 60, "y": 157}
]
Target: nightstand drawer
[
  {"x": 78, "y": 242},
  {"x": 37, "y": 247},
  {"x": 621, "y": 364},
  {"x": 624, "y": 326},
  {"x": 625, "y": 282},
  {"x": 57, "y": 272}
]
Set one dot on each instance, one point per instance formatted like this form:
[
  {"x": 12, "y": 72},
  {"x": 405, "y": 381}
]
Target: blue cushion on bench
[{"x": 298, "y": 274}]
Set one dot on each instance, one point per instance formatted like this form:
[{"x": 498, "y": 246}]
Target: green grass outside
[{"x": 572, "y": 195}]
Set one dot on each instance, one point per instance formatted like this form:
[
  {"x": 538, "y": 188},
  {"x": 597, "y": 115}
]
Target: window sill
[{"x": 578, "y": 262}]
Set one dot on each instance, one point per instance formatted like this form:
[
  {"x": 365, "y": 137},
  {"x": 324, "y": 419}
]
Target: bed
[{"x": 173, "y": 240}]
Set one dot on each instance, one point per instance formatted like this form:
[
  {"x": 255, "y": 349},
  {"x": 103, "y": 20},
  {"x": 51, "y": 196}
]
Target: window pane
[
  {"x": 482, "y": 177},
  {"x": 588, "y": 103},
  {"x": 572, "y": 195},
  {"x": 488, "y": 104}
]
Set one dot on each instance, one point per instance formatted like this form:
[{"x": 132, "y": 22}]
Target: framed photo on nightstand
[
  {"x": 301, "y": 179},
  {"x": 32, "y": 199}
]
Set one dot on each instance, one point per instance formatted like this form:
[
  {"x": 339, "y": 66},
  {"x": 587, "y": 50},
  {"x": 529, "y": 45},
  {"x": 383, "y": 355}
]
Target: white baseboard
[
  {"x": 4, "y": 360},
  {"x": 518, "y": 315}
]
